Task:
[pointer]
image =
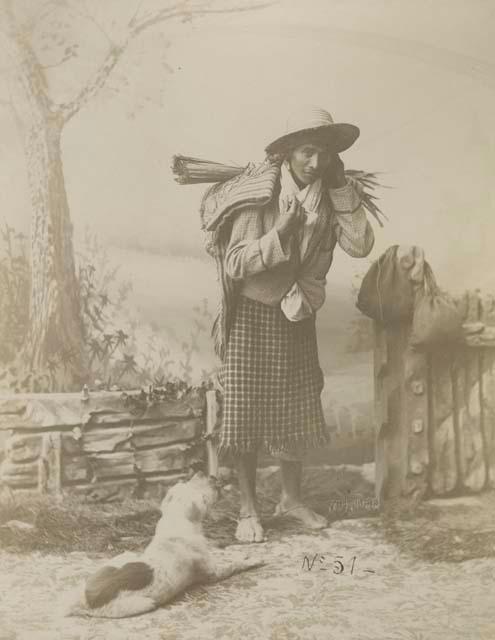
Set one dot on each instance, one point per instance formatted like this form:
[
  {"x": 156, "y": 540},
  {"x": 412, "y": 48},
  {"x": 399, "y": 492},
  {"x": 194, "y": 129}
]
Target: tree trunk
[
  {"x": 54, "y": 343},
  {"x": 55, "y": 340}
]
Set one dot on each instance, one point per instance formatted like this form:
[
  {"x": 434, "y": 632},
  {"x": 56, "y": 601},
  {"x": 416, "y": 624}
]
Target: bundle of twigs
[{"x": 196, "y": 171}]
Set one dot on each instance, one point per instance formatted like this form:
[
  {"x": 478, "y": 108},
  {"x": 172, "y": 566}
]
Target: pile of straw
[{"x": 196, "y": 171}]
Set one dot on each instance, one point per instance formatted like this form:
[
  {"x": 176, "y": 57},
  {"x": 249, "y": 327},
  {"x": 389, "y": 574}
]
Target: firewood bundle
[
  {"x": 189, "y": 170},
  {"x": 195, "y": 171}
]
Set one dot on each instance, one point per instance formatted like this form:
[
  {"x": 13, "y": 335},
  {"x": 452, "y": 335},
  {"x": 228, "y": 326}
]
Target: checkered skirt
[{"x": 272, "y": 383}]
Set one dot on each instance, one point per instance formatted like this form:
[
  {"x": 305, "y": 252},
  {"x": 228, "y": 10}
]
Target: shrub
[{"x": 123, "y": 351}]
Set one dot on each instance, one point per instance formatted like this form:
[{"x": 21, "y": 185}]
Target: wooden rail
[
  {"x": 97, "y": 446},
  {"x": 435, "y": 410}
]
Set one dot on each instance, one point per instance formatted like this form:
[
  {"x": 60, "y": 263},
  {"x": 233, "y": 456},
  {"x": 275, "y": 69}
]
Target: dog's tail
[{"x": 108, "y": 582}]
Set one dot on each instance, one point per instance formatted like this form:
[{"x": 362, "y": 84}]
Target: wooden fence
[
  {"x": 98, "y": 446},
  {"x": 435, "y": 411},
  {"x": 434, "y": 427}
]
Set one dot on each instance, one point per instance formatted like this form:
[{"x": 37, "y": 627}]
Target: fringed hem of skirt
[{"x": 268, "y": 446}]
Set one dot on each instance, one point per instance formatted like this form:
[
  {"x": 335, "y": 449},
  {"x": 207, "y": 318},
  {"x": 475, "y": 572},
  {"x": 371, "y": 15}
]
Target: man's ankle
[
  {"x": 289, "y": 500},
  {"x": 249, "y": 510}
]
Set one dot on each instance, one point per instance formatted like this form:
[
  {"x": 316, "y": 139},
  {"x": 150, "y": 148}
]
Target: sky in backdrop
[{"x": 418, "y": 78}]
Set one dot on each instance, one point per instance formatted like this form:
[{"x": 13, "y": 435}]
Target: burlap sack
[
  {"x": 437, "y": 321},
  {"x": 387, "y": 293}
]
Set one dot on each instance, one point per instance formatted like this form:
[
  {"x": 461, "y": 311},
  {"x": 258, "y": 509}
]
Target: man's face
[{"x": 308, "y": 162}]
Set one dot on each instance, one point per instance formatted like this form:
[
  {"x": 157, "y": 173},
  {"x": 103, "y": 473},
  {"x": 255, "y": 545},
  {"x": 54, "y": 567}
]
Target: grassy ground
[
  {"x": 448, "y": 530},
  {"x": 398, "y": 570},
  {"x": 451, "y": 532},
  {"x": 73, "y": 525}
]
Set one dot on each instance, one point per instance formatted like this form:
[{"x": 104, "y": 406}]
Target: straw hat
[{"x": 317, "y": 124}]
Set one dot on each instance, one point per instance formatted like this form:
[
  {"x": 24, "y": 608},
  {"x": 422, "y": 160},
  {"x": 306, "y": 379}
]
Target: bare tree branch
[
  {"x": 136, "y": 26},
  {"x": 97, "y": 82},
  {"x": 141, "y": 25},
  {"x": 56, "y": 64},
  {"x": 187, "y": 10},
  {"x": 138, "y": 9},
  {"x": 30, "y": 74},
  {"x": 43, "y": 12},
  {"x": 87, "y": 15}
]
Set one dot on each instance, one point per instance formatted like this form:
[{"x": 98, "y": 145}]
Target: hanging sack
[
  {"x": 386, "y": 293},
  {"x": 437, "y": 320}
]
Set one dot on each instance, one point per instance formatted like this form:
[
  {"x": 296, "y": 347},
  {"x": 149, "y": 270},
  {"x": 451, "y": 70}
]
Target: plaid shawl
[{"x": 253, "y": 187}]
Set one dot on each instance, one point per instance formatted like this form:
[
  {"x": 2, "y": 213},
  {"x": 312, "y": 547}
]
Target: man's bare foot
[
  {"x": 303, "y": 514},
  {"x": 249, "y": 529}
]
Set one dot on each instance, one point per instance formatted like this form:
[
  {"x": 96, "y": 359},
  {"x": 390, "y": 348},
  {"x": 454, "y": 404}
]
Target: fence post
[
  {"x": 211, "y": 423},
  {"x": 50, "y": 469},
  {"x": 442, "y": 428},
  {"x": 435, "y": 410},
  {"x": 391, "y": 437},
  {"x": 401, "y": 415},
  {"x": 380, "y": 359},
  {"x": 415, "y": 422}
]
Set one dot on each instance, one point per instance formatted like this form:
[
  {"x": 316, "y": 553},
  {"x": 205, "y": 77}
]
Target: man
[{"x": 278, "y": 254}]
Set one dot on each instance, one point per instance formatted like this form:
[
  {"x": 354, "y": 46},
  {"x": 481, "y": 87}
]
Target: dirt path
[{"x": 402, "y": 600}]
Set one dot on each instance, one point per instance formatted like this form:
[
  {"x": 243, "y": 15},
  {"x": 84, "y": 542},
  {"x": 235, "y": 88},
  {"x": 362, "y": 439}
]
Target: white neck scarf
[
  {"x": 295, "y": 305},
  {"x": 309, "y": 199}
]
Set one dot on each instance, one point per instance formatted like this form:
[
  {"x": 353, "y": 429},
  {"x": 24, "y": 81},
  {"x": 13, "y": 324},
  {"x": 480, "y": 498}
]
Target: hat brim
[{"x": 339, "y": 136}]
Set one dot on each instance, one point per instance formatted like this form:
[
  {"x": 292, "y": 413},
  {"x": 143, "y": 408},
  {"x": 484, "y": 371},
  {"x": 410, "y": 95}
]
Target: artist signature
[
  {"x": 335, "y": 564},
  {"x": 350, "y": 503}
]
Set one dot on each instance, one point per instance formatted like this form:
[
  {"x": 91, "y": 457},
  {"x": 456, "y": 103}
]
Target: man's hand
[
  {"x": 336, "y": 173},
  {"x": 288, "y": 223}
]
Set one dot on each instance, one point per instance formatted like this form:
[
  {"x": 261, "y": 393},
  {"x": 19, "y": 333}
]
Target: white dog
[{"x": 177, "y": 558}]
